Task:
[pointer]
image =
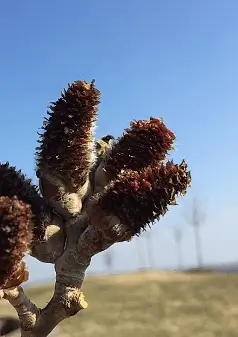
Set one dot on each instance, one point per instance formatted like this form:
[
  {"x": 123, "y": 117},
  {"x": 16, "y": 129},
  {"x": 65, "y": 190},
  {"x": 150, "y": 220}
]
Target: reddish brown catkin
[
  {"x": 144, "y": 143},
  {"x": 14, "y": 183},
  {"x": 67, "y": 142},
  {"x": 139, "y": 198},
  {"x": 15, "y": 236}
]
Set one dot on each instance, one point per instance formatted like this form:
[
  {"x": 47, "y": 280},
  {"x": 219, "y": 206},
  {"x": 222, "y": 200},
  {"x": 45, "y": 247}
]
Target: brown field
[{"x": 152, "y": 305}]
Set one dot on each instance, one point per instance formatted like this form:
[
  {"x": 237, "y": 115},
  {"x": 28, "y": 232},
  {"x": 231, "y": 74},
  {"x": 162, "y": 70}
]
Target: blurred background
[{"x": 170, "y": 59}]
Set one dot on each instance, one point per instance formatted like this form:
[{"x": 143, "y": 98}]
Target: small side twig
[{"x": 27, "y": 311}]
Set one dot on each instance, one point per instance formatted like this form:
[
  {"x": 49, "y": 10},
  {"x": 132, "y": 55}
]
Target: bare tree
[
  {"x": 140, "y": 253},
  {"x": 108, "y": 259},
  {"x": 149, "y": 249},
  {"x": 178, "y": 235},
  {"x": 90, "y": 199},
  {"x": 197, "y": 219}
]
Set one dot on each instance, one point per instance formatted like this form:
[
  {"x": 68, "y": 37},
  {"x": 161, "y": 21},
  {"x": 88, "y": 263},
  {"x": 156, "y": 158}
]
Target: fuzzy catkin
[
  {"x": 66, "y": 146},
  {"x": 146, "y": 195},
  {"x": 144, "y": 143},
  {"x": 15, "y": 235},
  {"x": 14, "y": 183}
]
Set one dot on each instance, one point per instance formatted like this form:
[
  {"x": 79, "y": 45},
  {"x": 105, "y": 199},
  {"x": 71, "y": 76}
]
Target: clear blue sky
[{"x": 175, "y": 59}]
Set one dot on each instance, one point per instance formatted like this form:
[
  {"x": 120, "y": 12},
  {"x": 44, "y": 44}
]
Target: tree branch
[
  {"x": 87, "y": 205},
  {"x": 28, "y": 313},
  {"x": 67, "y": 299},
  {"x": 66, "y": 302}
]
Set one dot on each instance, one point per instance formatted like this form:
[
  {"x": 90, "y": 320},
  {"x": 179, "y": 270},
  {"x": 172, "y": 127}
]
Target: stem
[
  {"x": 27, "y": 311},
  {"x": 66, "y": 302}
]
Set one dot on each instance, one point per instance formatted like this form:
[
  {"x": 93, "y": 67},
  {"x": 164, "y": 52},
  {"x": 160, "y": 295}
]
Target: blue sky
[{"x": 174, "y": 59}]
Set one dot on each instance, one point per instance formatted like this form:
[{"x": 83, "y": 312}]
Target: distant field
[{"x": 152, "y": 305}]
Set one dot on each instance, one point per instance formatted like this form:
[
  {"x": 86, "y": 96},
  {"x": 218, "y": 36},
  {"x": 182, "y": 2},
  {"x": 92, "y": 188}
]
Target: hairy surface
[
  {"x": 15, "y": 236},
  {"x": 66, "y": 144},
  {"x": 14, "y": 183},
  {"x": 146, "y": 195},
  {"x": 145, "y": 142}
]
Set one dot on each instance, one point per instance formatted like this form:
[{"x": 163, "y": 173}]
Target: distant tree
[
  {"x": 178, "y": 235},
  {"x": 196, "y": 219},
  {"x": 149, "y": 249},
  {"x": 108, "y": 259},
  {"x": 140, "y": 253}
]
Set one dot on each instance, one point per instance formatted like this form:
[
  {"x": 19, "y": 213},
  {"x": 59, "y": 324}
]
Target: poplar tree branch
[{"x": 92, "y": 194}]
